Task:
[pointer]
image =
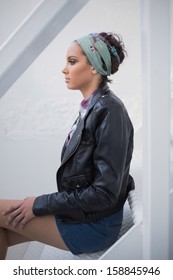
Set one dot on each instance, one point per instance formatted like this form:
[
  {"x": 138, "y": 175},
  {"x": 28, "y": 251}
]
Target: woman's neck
[{"x": 87, "y": 92}]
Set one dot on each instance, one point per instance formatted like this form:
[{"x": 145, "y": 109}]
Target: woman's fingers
[
  {"x": 17, "y": 220},
  {"x": 14, "y": 216},
  {"x": 20, "y": 214},
  {"x": 24, "y": 221},
  {"x": 11, "y": 209}
]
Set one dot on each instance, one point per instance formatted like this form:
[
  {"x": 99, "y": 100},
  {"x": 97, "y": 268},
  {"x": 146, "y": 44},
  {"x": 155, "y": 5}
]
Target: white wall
[
  {"x": 12, "y": 14},
  {"x": 38, "y": 110}
]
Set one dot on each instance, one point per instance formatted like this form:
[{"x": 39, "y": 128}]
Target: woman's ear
[{"x": 94, "y": 70}]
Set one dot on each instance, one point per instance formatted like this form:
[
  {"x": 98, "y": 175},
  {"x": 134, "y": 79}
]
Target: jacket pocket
[
  {"x": 78, "y": 181},
  {"x": 87, "y": 139}
]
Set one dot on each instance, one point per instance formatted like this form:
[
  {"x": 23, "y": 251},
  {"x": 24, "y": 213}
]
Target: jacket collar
[
  {"x": 97, "y": 95},
  {"x": 75, "y": 140}
]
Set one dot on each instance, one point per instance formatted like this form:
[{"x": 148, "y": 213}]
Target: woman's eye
[{"x": 72, "y": 62}]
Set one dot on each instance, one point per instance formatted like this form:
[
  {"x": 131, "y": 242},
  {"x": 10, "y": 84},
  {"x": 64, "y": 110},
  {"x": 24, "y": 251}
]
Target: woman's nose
[{"x": 64, "y": 70}]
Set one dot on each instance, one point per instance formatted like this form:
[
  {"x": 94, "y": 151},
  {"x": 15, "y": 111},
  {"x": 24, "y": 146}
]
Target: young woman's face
[{"x": 78, "y": 72}]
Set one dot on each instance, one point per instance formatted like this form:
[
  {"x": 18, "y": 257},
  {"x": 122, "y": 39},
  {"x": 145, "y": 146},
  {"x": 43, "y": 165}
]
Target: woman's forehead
[{"x": 74, "y": 50}]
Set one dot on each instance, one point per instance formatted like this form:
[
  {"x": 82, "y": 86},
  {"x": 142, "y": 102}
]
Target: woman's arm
[{"x": 111, "y": 162}]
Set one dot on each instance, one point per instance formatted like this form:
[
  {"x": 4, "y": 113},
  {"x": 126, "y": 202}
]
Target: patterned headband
[
  {"x": 96, "y": 51},
  {"x": 112, "y": 49}
]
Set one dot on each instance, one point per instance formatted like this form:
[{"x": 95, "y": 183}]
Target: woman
[{"x": 86, "y": 213}]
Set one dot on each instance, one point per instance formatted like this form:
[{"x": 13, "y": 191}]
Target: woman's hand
[{"x": 20, "y": 214}]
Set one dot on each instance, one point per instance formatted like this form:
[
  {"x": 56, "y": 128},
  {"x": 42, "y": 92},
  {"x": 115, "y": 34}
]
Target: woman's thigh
[{"x": 42, "y": 229}]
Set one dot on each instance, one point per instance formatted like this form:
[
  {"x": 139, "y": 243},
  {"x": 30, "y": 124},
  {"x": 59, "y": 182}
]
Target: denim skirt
[{"x": 90, "y": 237}]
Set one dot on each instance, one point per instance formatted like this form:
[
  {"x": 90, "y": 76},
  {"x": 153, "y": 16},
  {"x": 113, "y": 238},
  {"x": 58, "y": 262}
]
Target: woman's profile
[{"x": 85, "y": 213}]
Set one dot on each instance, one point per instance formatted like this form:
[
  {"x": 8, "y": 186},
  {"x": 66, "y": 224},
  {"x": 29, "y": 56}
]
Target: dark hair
[{"x": 113, "y": 40}]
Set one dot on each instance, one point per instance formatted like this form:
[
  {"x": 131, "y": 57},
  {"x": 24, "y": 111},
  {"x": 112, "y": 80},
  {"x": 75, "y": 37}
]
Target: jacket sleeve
[{"x": 110, "y": 161}]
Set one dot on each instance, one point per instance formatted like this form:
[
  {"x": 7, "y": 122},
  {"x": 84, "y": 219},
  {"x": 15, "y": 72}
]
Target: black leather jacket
[{"x": 93, "y": 179}]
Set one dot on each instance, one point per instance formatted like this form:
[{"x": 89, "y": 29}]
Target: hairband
[
  {"x": 97, "y": 51},
  {"x": 111, "y": 48}
]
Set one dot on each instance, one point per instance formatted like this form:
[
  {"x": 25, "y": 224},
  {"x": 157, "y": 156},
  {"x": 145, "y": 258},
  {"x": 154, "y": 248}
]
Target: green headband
[{"x": 96, "y": 50}]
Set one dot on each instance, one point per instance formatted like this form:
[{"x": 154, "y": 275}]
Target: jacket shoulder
[
  {"x": 110, "y": 104},
  {"x": 109, "y": 101}
]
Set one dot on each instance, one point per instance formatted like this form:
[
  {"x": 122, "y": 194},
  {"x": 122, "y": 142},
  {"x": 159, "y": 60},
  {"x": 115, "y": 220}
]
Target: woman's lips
[{"x": 67, "y": 80}]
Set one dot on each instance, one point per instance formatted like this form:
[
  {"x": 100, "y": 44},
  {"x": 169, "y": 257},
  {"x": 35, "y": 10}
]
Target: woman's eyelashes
[{"x": 72, "y": 61}]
